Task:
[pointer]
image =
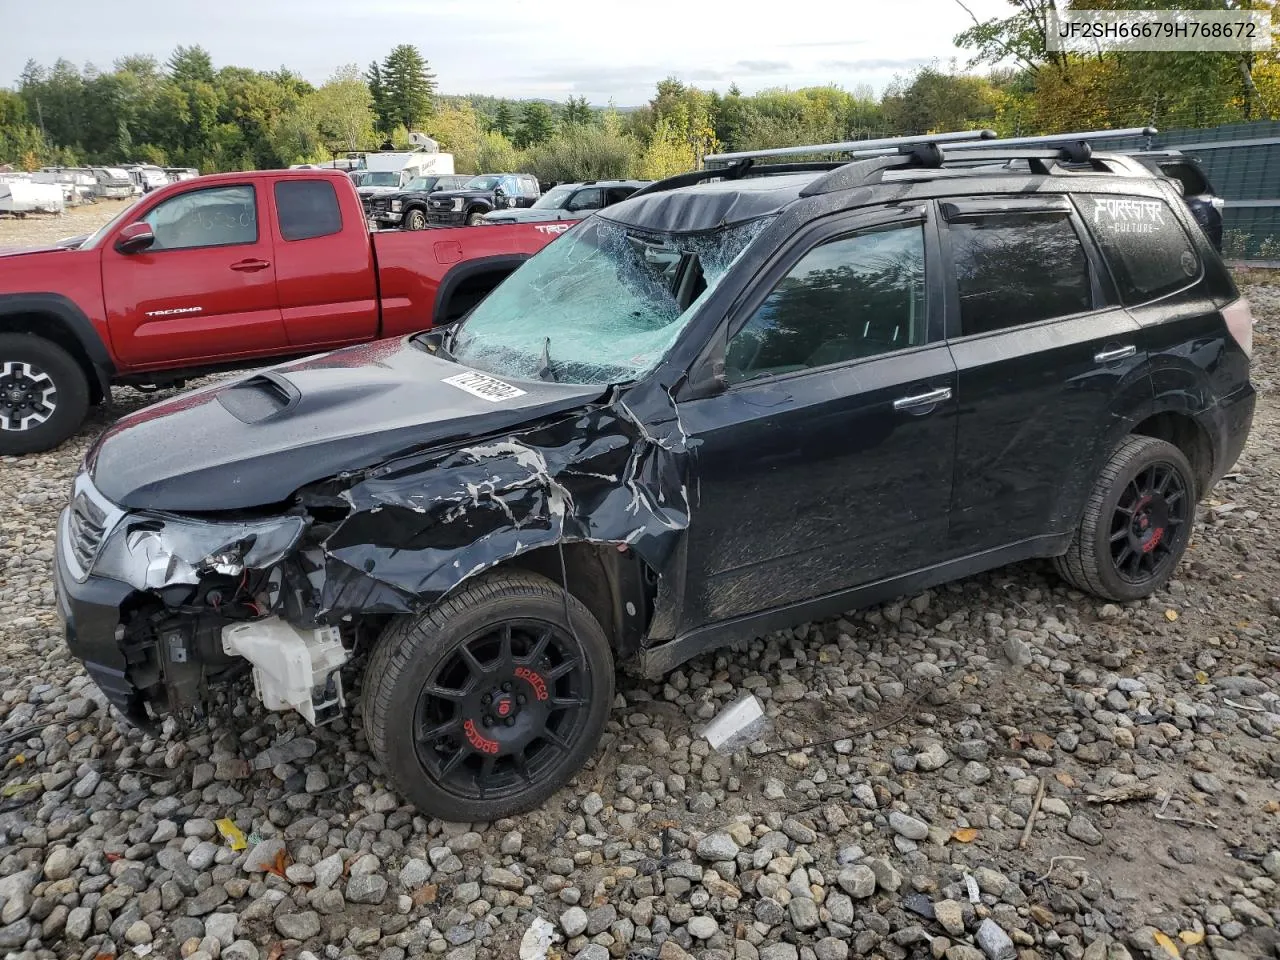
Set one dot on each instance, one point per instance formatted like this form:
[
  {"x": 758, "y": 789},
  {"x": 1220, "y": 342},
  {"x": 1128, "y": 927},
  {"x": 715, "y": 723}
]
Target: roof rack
[{"x": 849, "y": 146}]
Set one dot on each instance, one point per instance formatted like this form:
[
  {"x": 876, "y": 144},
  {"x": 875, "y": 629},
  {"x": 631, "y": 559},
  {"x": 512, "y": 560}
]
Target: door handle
[
  {"x": 922, "y": 399},
  {"x": 1107, "y": 356},
  {"x": 249, "y": 266}
]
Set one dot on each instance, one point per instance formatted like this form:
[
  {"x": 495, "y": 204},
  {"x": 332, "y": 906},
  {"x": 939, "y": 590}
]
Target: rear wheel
[
  {"x": 1136, "y": 525},
  {"x": 415, "y": 219},
  {"x": 474, "y": 217},
  {"x": 43, "y": 394},
  {"x": 485, "y": 705}
]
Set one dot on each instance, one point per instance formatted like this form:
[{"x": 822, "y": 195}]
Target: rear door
[
  {"x": 205, "y": 291},
  {"x": 325, "y": 272},
  {"x": 1043, "y": 357}
]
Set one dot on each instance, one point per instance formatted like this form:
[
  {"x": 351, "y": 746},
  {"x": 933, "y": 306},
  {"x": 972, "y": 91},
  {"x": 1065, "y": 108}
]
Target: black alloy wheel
[
  {"x": 1144, "y": 526},
  {"x": 485, "y": 704},
  {"x": 1136, "y": 524},
  {"x": 496, "y": 714}
]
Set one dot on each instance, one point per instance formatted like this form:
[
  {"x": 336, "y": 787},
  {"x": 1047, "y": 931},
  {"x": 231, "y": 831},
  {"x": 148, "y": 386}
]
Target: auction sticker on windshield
[{"x": 486, "y": 388}]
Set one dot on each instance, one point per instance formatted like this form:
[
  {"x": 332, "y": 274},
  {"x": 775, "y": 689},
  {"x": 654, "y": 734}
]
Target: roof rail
[
  {"x": 1063, "y": 138},
  {"x": 849, "y": 146}
]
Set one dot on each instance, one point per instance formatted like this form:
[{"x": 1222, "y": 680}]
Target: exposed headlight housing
[
  {"x": 396, "y": 205},
  {"x": 148, "y": 551}
]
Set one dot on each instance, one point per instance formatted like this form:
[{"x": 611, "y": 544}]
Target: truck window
[
  {"x": 307, "y": 209},
  {"x": 212, "y": 217}
]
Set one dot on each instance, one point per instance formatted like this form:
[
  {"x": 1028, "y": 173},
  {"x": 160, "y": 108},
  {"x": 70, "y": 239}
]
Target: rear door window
[
  {"x": 1144, "y": 243},
  {"x": 1015, "y": 269},
  {"x": 307, "y": 209}
]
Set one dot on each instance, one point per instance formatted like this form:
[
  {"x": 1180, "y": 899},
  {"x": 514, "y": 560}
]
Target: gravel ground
[
  {"x": 38, "y": 229},
  {"x": 1151, "y": 729}
]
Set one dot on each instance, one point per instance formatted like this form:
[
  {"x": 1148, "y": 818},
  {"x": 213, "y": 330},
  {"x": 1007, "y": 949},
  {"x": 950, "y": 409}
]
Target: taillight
[{"x": 1240, "y": 322}]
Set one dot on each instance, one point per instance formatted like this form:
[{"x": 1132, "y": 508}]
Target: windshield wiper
[{"x": 544, "y": 371}]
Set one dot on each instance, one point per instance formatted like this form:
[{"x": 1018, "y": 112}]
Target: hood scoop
[{"x": 260, "y": 397}]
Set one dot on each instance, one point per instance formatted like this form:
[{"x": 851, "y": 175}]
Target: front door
[
  {"x": 827, "y": 461},
  {"x": 205, "y": 291}
]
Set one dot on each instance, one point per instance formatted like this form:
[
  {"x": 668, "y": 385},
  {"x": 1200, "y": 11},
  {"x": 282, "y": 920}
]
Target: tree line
[{"x": 186, "y": 112}]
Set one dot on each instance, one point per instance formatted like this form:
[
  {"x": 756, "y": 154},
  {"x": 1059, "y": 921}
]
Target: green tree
[
  {"x": 405, "y": 87},
  {"x": 191, "y": 65},
  {"x": 496, "y": 154},
  {"x": 343, "y": 110},
  {"x": 504, "y": 120},
  {"x": 576, "y": 113},
  {"x": 584, "y": 153},
  {"x": 537, "y": 123},
  {"x": 382, "y": 121}
]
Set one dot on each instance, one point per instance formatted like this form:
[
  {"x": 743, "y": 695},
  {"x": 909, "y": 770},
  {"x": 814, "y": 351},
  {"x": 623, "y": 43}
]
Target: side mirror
[{"x": 135, "y": 238}]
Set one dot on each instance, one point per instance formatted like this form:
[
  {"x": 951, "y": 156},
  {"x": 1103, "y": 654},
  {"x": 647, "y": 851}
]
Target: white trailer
[{"x": 22, "y": 196}]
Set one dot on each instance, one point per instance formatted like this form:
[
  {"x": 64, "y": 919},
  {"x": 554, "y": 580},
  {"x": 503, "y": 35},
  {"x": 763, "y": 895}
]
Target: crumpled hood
[{"x": 253, "y": 441}]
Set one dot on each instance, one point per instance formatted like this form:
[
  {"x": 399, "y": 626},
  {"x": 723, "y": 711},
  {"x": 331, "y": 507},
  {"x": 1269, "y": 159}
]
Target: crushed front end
[{"x": 161, "y": 607}]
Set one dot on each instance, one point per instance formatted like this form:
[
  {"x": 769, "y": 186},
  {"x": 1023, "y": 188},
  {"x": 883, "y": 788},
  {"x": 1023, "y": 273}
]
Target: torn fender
[{"x": 612, "y": 472}]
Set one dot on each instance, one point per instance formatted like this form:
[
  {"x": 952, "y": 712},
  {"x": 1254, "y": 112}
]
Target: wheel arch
[
  {"x": 1187, "y": 434},
  {"x": 57, "y": 319},
  {"x": 617, "y": 586},
  {"x": 468, "y": 276}
]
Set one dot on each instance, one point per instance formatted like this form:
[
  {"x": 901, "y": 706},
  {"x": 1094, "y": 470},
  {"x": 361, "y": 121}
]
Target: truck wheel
[
  {"x": 474, "y": 217},
  {"x": 485, "y": 705},
  {"x": 415, "y": 219},
  {"x": 1136, "y": 524},
  {"x": 43, "y": 394}
]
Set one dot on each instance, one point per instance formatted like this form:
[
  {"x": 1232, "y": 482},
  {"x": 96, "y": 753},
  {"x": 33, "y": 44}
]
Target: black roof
[{"x": 716, "y": 203}]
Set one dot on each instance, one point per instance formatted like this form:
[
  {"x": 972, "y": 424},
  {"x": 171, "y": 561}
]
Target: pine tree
[
  {"x": 504, "y": 121},
  {"x": 537, "y": 123},
  {"x": 408, "y": 87},
  {"x": 378, "y": 91},
  {"x": 576, "y": 112}
]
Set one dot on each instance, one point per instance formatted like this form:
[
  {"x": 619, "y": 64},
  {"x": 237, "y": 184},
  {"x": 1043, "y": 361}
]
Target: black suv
[
  {"x": 716, "y": 409},
  {"x": 480, "y": 195},
  {"x": 407, "y": 208}
]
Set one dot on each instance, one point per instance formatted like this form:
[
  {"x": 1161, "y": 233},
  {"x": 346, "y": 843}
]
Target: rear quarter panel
[{"x": 413, "y": 264}]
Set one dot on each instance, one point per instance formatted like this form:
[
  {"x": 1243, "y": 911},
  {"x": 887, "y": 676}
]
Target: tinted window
[
  {"x": 1188, "y": 175},
  {"x": 213, "y": 217},
  {"x": 858, "y": 296},
  {"x": 589, "y": 199},
  {"x": 307, "y": 208},
  {"x": 617, "y": 194},
  {"x": 1013, "y": 269},
  {"x": 1148, "y": 251}
]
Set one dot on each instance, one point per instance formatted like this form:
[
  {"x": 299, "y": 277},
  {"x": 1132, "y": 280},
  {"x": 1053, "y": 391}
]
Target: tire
[
  {"x": 474, "y": 217},
  {"x": 417, "y": 658},
  {"x": 415, "y": 219},
  {"x": 44, "y": 394},
  {"x": 1127, "y": 557}
]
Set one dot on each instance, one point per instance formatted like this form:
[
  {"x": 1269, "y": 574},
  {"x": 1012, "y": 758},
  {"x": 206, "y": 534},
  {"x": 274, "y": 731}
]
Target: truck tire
[
  {"x": 483, "y": 706},
  {"x": 44, "y": 394},
  {"x": 474, "y": 217},
  {"x": 415, "y": 219},
  {"x": 1136, "y": 524}
]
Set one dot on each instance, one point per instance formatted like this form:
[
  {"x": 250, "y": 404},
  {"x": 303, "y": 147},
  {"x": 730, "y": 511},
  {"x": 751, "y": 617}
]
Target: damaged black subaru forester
[{"x": 739, "y": 400}]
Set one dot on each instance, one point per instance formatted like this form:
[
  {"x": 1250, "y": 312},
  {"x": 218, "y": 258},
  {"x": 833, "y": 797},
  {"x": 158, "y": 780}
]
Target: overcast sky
[{"x": 515, "y": 48}]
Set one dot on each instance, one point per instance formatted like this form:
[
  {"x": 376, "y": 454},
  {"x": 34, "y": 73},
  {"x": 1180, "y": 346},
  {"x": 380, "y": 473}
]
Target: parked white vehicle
[
  {"x": 178, "y": 174},
  {"x": 148, "y": 176},
  {"x": 22, "y": 196},
  {"x": 114, "y": 183}
]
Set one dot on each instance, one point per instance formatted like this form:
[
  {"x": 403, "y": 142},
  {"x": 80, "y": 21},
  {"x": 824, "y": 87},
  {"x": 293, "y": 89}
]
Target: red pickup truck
[{"x": 219, "y": 272}]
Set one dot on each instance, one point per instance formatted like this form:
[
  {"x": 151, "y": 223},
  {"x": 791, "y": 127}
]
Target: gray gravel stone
[
  {"x": 704, "y": 928},
  {"x": 298, "y": 926},
  {"x": 240, "y": 950},
  {"x": 995, "y": 943},
  {"x": 573, "y": 921},
  {"x": 857, "y": 881},
  {"x": 717, "y": 847},
  {"x": 1081, "y": 828},
  {"x": 366, "y": 888},
  {"x": 908, "y": 826}
]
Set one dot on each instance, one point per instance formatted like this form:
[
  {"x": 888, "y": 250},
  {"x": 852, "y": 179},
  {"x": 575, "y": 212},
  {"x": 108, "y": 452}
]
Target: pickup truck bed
[{"x": 219, "y": 272}]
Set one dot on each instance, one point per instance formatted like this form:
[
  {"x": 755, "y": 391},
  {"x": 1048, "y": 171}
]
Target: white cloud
[{"x": 519, "y": 48}]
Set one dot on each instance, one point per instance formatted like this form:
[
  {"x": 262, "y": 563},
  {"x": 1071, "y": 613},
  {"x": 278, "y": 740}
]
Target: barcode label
[{"x": 484, "y": 387}]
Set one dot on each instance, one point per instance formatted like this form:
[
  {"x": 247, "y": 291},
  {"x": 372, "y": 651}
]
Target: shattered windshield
[{"x": 601, "y": 304}]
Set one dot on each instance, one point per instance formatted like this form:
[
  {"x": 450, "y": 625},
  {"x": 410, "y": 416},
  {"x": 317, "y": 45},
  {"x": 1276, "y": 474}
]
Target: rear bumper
[
  {"x": 90, "y": 612},
  {"x": 1234, "y": 421}
]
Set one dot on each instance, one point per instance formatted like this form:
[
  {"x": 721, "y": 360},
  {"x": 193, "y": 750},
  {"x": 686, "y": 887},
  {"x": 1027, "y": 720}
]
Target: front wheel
[
  {"x": 485, "y": 705},
  {"x": 1136, "y": 525},
  {"x": 44, "y": 394},
  {"x": 474, "y": 217},
  {"x": 415, "y": 219}
]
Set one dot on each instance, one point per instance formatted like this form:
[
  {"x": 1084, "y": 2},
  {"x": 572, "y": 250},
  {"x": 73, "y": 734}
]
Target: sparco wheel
[
  {"x": 483, "y": 706},
  {"x": 43, "y": 394},
  {"x": 1136, "y": 524}
]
